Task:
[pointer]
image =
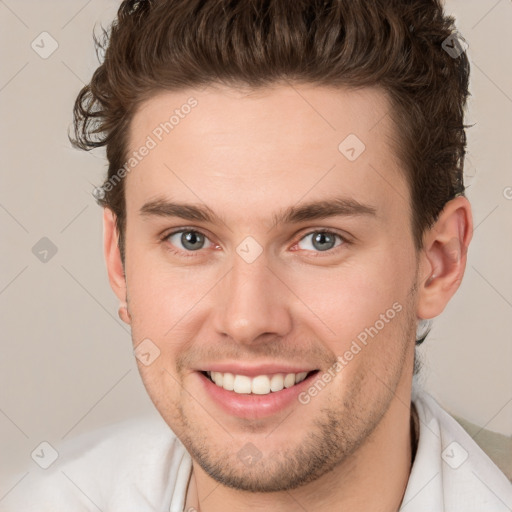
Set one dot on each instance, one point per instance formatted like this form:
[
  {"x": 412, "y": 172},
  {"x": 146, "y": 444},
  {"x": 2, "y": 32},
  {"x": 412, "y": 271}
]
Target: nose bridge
[{"x": 251, "y": 302}]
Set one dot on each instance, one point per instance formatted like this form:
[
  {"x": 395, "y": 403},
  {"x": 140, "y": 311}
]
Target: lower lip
[{"x": 251, "y": 406}]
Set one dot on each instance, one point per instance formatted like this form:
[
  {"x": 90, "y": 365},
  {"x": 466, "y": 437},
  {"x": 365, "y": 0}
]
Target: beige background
[{"x": 66, "y": 363}]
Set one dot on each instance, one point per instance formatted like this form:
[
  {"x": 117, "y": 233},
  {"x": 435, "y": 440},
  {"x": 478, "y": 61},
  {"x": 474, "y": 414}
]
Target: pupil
[
  {"x": 190, "y": 238},
  {"x": 322, "y": 238}
]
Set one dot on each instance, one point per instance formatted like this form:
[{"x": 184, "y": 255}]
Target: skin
[{"x": 247, "y": 156}]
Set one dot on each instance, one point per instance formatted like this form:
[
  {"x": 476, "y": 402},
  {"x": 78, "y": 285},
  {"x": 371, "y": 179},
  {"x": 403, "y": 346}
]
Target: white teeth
[
  {"x": 228, "y": 381},
  {"x": 299, "y": 377},
  {"x": 242, "y": 384},
  {"x": 217, "y": 377},
  {"x": 277, "y": 382},
  {"x": 260, "y": 385},
  {"x": 289, "y": 380}
]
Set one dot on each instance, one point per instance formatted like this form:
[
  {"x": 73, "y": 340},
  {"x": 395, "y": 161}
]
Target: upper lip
[{"x": 253, "y": 371}]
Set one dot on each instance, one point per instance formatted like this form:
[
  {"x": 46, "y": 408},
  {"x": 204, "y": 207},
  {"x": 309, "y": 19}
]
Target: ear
[
  {"x": 116, "y": 275},
  {"x": 443, "y": 257}
]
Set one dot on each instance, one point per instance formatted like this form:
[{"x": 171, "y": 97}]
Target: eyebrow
[{"x": 337, "y": 206}]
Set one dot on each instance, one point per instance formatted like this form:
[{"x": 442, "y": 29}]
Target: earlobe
[
  {"x": 113, "y": 260},
  {"x": 123, "y": 313},
  {"x": 443, "y": 258}
]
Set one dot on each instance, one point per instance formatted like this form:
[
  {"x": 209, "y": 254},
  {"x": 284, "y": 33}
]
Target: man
[{"x": 284, "y": 207}]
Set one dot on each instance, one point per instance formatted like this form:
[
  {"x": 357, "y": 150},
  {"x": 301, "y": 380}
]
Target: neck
[{"x": 374, "y": 477}]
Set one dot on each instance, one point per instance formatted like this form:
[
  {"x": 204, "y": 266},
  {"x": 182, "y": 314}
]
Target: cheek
[
  {"x": 160, "y": 296},
  {"x": 368, "y": 312},
  {"x": 352, "y": 298}
]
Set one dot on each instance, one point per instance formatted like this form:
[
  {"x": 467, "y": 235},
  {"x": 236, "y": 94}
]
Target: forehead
[{"x": 285, "y": 142}]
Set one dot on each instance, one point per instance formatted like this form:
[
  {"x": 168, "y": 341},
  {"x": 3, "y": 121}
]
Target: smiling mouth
[{"x": 258, "y": 385}]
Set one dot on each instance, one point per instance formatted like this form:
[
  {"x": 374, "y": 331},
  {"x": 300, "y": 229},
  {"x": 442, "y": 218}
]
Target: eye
[
  {"x": 189, "y": 239},
  {"x": 321, "y": 241}
]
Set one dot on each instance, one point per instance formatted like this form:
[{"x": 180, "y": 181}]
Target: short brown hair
[{"x": 397, "y": 45}]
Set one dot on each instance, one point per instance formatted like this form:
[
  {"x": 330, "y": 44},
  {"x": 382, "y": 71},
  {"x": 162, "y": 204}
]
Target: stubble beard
[{"x": 332, "y": 440}]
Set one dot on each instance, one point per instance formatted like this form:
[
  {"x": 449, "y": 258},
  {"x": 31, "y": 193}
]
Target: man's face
[{"x": 241, "y": 294}]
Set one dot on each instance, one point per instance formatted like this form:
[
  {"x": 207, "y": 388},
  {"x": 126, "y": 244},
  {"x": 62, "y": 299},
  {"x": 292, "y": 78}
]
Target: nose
[{"x": 252, "y": 303}]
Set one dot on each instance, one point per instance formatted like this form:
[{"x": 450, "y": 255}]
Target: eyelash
[{"x": 190, "y": 254}]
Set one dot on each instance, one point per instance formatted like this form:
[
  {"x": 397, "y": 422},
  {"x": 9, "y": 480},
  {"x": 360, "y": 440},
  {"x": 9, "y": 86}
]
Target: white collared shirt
[
  {"x": 451, "y": 473},
  {"x": 139, "y": 465}
]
